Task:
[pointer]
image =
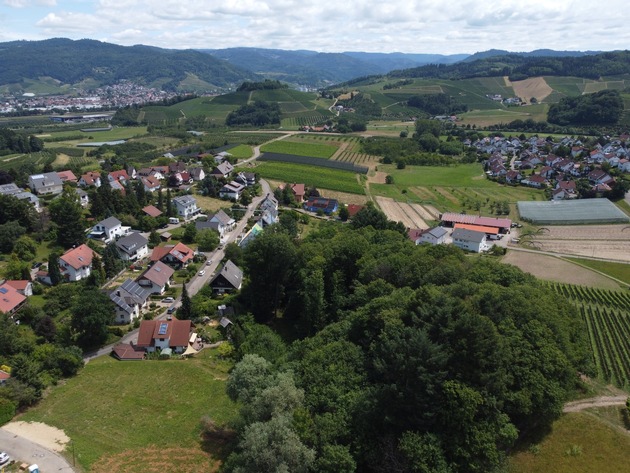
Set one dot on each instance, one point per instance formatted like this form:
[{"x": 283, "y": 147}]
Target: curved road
[
  {"x": 601, "y": 401},
  {"x": 24, "y": 450}
]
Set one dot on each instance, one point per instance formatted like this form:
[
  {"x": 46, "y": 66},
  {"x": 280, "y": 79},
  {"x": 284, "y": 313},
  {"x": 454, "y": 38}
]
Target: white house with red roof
[
  {"x": 151, "y": 184},
  {"x": 162, "y": 334},
  {"x": 299, "y": 190},
  {"x": 76, "y": 264},
  {"x": 90, "y": 178},
  {"x": 10, "y": 299},
  {"x": 23, "y": 286},
  {"x": 118, "y": 176},
  {"x": 175, "y": 255}
]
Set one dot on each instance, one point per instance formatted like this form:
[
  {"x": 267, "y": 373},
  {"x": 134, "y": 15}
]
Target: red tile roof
[
  {"x": 478, "y": 228},
  {"x": 152, "y": 211},
  {"x": 177, "y": 331},
  {"x": 180, "y": 251},
  {"x": 118, "y": 175},
  {"x": 10, "y": 299},
  {"x": 78, "y": 257},
  {"x": 4, "y": 375},
  {"x": 298, "y": 189},
  {"x": 158, "y": 274},
  {"x": 18, "y": 285},
  {"x": 127, "y": 351},
  {"x": 90, "y": 177},
  {"x": 67, "y": 176},
  {"x": 354, "y": 208}
]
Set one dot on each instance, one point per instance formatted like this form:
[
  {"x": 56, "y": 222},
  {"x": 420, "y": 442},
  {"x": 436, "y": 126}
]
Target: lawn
[
  {"x": 116, "y": 133},
  {"x": 577, "y": 443},
  {"x": 619, "y": 271},
  {"x": 241, "y": 151},
  {"x": 116, "y": 408},
  {"x": 322, "y": 178},
  {"x": 314, "y": 150}
]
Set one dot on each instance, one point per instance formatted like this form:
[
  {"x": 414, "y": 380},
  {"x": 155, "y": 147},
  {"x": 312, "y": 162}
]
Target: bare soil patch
[
  {"x": 157, "y": 460},
  {"x": 533, "y": 87},
  {"x": 45, "y": 435},
  {"x": 551, "y": 268},
  {"x": 433, "y": 211},
  {"x": 61, "y": 159},
  {"x": 378, "y": 177},
  {"x": 585, "y": 232},
  {"x": 401, "y": 212}
]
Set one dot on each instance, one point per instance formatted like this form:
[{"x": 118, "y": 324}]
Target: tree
[
  {"x": 17, "y": 268},
  {"x": 249, "y": 377},
  {"x": 66, "y": 212},
  {"x": 154, "y": 239},
  {"x": 53, "y": 269},
  {"x": 92, "y": 312},
  {"x": 190, "y": 233},
  {"x": 97, "y": 274},
  {"x": 25, "y": 248},
  {"x": 234, "y": 253},
  {"x": 170, "y": 212},
  {"x": 111, "y": 260},
  {"x": 344, "y": 214},
  {"x": 185, "y": 311},
  {"x": 207, "y": 240},
  {"x": 9, "y": 234}
]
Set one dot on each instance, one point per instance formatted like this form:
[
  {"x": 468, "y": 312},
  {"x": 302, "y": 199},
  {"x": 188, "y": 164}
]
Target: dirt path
[{"x": 601, "y": 401}]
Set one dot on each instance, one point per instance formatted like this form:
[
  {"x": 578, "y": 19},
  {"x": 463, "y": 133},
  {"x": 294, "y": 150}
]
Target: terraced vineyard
[{"x": 607, "y": 317}]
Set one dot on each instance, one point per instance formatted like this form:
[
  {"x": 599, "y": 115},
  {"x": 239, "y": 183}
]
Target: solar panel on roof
[
  {"x": 163, "y": 328},
  {"x": 158, "y": 269},
  {"x": 3, "y": 290}
]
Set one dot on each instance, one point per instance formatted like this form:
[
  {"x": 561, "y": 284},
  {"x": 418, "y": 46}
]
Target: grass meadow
[
  {"x": 114, "y": 407},
  {"x": 619, "y": 271},
  {"x": 577, "y": 443},
  {"x": 322, "y": 178}
]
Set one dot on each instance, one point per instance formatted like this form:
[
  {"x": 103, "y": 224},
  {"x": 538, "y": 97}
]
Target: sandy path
[
  {"x": 601, "y": 401},
  {"x": 47, "y": 436}
]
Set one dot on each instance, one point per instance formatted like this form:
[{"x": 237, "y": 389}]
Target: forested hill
[
  {"x": 71, "y": 62},
  {"x": 409, "y": 358},
  {"x": 518, "y": 67}
]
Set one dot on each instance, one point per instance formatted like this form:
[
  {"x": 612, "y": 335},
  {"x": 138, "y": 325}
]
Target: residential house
[
  {"x": 84, "y": 198},
  {"x": 177, "y": 167},
  {"x": 513, "y": 177},
  {"x": 197, "y": 174},
  {"x": 433, "y": 236},
  {"x": 186, "y": 206},
  {"x": 177, "y": 256},
  {"x": 163, "y": 335},
  {"x": 90, "y": 178},
  {"x": 4, "y": 377},
  {"x": 269, "y": 203},
  {"x": 229, "y": 279},
  {"x": 156, "y": 277},
  {"x": 151, "y": 184},
  {"x": 315, "y": 204},
  {"x": 535, "y": 180},
  {"x": 76, "y": 264},
  {"x": 599, "y": 176},
  {"x": 23, "y": 286},
  {"x": 118, "y": 186},
  {"x": 469, "y": 240},
  {"x": 132, "y": 247},
  {"x": 299, "y": 190},
  {"x": 151, "y": 172},
  {"x": 118, "y": 176},
  {"x": 9, "y": 189},
  {"x": 108, "y": 230},
  {"x": 10, "y": 299},
  {"x": 152, "y": 211},
  {"x": 131, "y": 172},
  {"x": 32, "y": 198},
  {"x": 624, "y": 165},
  {"x": 45, "y": 183},
  {"x": 129, "y": 299},
  {"x": 224, "y": 221},
  {"x": 222, "y": 170},
  {"x": 253, "y": 232},
  {"x": 232, "y": 190},
  {"x": 246, "y": 178},
  {"x": 67, "y": 176}
]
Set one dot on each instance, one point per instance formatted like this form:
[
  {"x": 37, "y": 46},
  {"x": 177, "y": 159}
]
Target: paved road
[
  {"x": 198, "y": 281},
  {"x": 23, "y": 450}
]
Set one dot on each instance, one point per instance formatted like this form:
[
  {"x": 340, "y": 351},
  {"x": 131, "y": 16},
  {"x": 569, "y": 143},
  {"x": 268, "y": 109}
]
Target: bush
[{"x": 7, "y": 410}]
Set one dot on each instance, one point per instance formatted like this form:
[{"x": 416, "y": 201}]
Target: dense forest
[
  {"x": 15, "y": 142},
  {"x": 600, "y": 108},
  {"x": 264, "y": 85},
  {"x": 437, "y": 104},
  {"x": 259, "y": 113},
  {"x": 518, "y": 67},
  {"x": 405, "y": 358},
  {"x": 71, "y": 62}
]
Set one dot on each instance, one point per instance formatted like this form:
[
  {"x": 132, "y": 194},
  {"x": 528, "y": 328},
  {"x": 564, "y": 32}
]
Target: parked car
[
  {"x": 36, "y": 265},
  {"x": 168, "y": 299},
  {"x": 202, "y": 272},
  {"x": 4, "y": 458}
]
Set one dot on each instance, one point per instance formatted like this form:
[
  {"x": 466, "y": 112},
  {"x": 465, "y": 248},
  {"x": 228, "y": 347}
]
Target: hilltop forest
[{"x": 406, "y": 358}]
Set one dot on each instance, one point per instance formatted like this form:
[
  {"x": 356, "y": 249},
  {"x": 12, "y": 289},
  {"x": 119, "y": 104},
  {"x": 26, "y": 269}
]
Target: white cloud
[{"x": 69, "y": 22}]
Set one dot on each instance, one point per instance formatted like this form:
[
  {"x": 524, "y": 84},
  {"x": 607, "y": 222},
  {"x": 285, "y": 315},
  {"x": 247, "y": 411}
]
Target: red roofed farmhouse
[
  {"x": 161, "y": 334},
  {"x": 10, "y": 299}
]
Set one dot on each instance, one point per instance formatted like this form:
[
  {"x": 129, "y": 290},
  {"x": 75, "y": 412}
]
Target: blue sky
[{"x": 411, "y": 26}]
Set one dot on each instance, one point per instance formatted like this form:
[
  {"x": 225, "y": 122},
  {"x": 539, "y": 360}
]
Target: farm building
[
  {"x": 470, "y": 240},
  {"x": 502, "y": 224},
  {"x": 328, "y": 206},
  {"x": 433, "y": 236},
  {"x": 571, "y": 212},
  {"x": 478, "y": 228}
]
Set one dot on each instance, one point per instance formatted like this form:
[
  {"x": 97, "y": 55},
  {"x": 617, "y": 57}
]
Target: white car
[
  {"x": 209, "y": 262},
  {"x": 202, "y": 272},
  {"x": 4, "y": 458},
  {"x": 168, "y": 299}
]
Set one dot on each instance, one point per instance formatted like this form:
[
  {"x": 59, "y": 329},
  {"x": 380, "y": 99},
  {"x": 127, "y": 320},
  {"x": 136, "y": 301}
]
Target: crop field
[
  {"x": 607, "y": 317},
  {"x": 322, "y": 178},
  {"x": 241, "y": 152},
  {"x": 16, "y": 160},
  {"x": 300, "y": 148},
  {"x": 410, "y": 215},
  {"x": 620, "y": 271},
  {"x": 85, "y": 163},
  {"x": 304, "y": 118},
  {"x": 310, "y": 161}
]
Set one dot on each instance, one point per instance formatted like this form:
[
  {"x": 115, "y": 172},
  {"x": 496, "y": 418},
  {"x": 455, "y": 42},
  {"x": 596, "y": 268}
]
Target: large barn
[{"x": 501, "y": 224}]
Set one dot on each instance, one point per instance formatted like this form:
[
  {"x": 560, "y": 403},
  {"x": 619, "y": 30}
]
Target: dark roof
[
  {"x": 232, "y": 274},
  {"x": 158, "y": 274},
  {"x": 131, "y": 242}
]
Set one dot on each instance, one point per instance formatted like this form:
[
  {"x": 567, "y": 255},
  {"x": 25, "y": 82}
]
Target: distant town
[{"x": 123, "y": 94}]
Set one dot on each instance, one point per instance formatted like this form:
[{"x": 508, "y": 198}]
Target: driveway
[{"x": 23, "y": 450}]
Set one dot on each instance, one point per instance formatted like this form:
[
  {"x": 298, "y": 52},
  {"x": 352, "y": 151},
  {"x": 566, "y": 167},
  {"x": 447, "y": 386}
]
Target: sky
[{"x": 409, "y": 26}]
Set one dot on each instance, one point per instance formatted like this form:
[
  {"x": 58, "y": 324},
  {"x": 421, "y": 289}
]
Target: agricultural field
[
  {"x": 410, "y": 215},
  {"x": 607, "y": 317},
  {"x": 183, "y": 391},
  {"x": 457, "y": 188},
  {"x": 241, "y": 152},
  {"x": 299, "y": 148},
  {"x": 16, "y": 160},
  {"x": 322, "y": 178},
  {"x": 620, "y": 271}
]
